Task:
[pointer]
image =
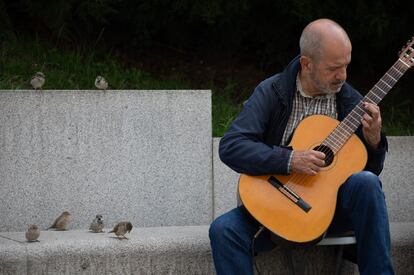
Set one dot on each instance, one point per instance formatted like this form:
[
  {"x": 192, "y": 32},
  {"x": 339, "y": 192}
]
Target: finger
[
  {"x": 368, "y": 124},
  {"x": 315, "y": 168},
  {"x": 367, "y": 118},
  {"x": 373, "y": 109},
  {"x": 371, "y": 121},
  {"x": 318, "y": 154},
  {"x": 319, "y": 162},
  {"x": 307, "y": 171},
  {"x": 371, "y": 106},
  {"x": 364, "y": 123},
  {"x": 311, "y": 172}
]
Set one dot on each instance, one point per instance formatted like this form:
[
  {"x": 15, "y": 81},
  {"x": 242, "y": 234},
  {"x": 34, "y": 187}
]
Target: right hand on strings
[{"x": 307, "y": 162}]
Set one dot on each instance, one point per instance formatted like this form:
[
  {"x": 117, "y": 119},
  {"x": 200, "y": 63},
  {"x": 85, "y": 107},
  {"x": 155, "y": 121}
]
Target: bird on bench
[
  {"x": 62, "y": 222},
  {"x": 121, "y": 229}
]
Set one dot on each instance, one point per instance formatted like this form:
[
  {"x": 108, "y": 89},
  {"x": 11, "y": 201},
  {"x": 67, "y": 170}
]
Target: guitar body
[{"x": 274, "y": 210}]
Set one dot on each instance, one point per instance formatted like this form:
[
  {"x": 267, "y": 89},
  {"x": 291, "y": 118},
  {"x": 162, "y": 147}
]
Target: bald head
[{"x": 320, "y": 34}]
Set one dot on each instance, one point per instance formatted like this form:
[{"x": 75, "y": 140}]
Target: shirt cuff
[{"x": 290, "y": 162}]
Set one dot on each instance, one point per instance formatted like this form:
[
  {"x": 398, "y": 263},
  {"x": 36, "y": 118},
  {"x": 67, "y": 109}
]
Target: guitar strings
[{"x": 392, "y": 75}]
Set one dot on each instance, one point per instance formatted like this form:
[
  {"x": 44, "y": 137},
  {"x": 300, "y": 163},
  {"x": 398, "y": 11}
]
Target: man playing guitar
[{"x": 257, "y": 142}]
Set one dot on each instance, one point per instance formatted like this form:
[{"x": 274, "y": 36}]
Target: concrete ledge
[
  {"x": 397, "y": 179},
  {"x": 12, "y": 257},
  {"x": 165, "y": 250},
  {"x": 156, "y": 250},
  {"x": 402, "y": 247}
]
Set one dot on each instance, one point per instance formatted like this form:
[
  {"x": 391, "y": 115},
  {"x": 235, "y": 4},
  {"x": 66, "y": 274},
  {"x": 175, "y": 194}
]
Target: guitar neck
[{"x": 352, "y": 121}]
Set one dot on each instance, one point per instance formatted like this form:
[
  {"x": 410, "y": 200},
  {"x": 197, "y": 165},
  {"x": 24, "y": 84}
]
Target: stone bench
[
  {"x": 145, "y": 156},
  {"x": 148, "y": 250},
  {"x": 164, "y": 250}
]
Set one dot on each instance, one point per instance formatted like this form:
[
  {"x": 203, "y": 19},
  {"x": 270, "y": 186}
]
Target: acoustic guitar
[{"x": 298, "y": 207}]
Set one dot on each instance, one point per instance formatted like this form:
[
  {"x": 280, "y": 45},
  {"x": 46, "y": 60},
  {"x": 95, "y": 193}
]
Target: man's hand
[
  {"x": 307, "y": 162},
  {"x": 371, "y": 125}
]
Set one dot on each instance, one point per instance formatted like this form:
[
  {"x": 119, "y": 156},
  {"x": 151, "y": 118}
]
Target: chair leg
[{"x": 338, "y": 266}]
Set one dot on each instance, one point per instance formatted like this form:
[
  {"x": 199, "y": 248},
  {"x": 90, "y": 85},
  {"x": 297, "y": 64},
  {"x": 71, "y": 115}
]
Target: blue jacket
[{"x": 252, "y": 143}]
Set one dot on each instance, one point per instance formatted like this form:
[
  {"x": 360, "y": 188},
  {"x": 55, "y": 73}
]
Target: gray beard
[{"x": 324, "y": 89}]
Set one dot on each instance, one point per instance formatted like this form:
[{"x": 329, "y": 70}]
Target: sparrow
[
  {"x": 37, "y": 80},
  {"x": 32, "y": 233},
  {"x": 62, "y": 222},
  {"x": 121, "y": 229},
  {"x": 97, "y": 224},
  {"x": 101, "y": 83}
]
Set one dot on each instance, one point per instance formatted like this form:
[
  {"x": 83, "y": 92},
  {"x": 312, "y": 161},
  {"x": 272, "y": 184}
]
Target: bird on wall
[
  {"x": 101, "y": 83},
  {"x": 62, "y": 222},
  {"x": 38, "y": 80},
  {"x": 97, "y": 224},
  {"x": 32, "y": 233},
  {"x": 121, "y": 229}
]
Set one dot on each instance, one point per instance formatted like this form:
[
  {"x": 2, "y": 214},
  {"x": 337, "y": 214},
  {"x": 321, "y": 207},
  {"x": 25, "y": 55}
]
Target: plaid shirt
[{"x": 304, "y": 106}]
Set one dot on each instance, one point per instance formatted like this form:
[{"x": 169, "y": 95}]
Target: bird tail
[{"x": 52, "y": 226}]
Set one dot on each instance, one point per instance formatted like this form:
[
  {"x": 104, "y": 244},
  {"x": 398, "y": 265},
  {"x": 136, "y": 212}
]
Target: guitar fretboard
[{"x": 348, "y": 126}]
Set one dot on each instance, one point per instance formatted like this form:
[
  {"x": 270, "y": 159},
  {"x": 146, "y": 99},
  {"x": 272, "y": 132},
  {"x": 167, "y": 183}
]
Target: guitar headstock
[{"x": 407, "y": 53}]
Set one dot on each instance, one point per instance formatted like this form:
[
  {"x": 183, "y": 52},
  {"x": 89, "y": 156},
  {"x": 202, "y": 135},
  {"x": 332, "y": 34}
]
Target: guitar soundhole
[{"x": 329, "y": 155}]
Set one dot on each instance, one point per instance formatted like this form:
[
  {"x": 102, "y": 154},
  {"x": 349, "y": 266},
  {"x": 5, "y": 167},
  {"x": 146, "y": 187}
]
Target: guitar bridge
[{"x": 295, "y": 198}]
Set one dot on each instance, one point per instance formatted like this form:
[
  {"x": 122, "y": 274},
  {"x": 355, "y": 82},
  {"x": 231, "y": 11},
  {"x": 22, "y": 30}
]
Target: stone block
[
  {"x": 144, "y": 156},
  {"x": 12, "y": 257},
  {"x": 397, "y": 178}
]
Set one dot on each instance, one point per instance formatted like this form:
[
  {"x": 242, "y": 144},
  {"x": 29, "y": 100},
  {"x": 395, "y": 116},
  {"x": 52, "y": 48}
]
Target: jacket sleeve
[{"x": 242, "y": 147}]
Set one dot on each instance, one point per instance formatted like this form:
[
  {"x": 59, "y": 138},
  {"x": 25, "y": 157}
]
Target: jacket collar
[{"x": 285, "y": 85}]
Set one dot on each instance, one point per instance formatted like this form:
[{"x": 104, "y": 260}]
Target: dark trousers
[{"x": 361, "y": 207}]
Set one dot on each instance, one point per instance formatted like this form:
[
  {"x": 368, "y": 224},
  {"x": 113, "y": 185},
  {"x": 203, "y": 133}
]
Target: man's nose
[{"x": 341, "y": 75}]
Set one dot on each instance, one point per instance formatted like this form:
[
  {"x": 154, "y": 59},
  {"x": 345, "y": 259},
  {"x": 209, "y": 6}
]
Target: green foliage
[
  {"x": 224, "y": 112},
  {"x": 72, "y": 69},
  {"x": 224, "y": 109},
  {"x": 397, "y": 113}
]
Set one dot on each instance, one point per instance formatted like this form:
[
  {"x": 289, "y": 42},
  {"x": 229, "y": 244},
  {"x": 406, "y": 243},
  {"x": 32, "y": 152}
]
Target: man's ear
[{"x": 305, "y": 63}]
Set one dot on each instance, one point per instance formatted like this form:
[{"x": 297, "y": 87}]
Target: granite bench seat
[
  {"x": 164, "y": 250},
  {"x": 149, "y": 250}
]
